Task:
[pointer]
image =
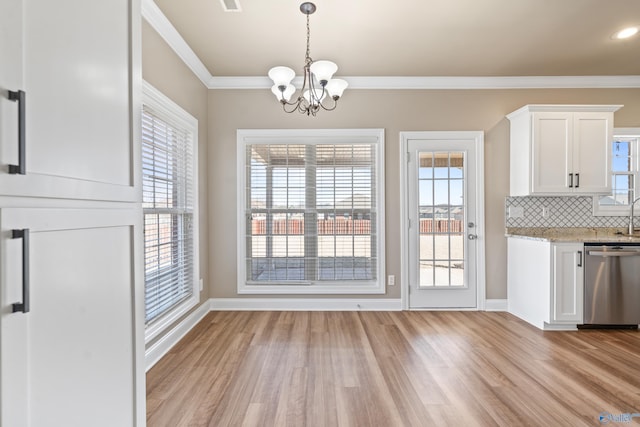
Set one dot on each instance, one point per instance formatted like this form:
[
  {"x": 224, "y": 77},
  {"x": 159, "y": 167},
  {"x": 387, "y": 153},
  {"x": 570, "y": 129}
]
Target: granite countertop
[{"x": 592, "y": 234}]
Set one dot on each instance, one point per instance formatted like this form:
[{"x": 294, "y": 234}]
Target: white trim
[
  {"x": 154, "y": 16},
  {"x": 481, "y": 289},
  {"x": 167, "y": 107},
  {"x": 566, "y": 108},
  {"x": 156, "y": 351},
  {"x": 167, "y": 31},
  {"x": 305, "y": 304},
  {"x": 403, "y": 225},
  {"x": 444, "y": 82},
  {"x": 311, "y": 136},
  {"x": 478, "y": 136},
  {"x": 495, "y": 305},
  {"x": 617, "y": 210},
  {"x": 559, "y": 327}
]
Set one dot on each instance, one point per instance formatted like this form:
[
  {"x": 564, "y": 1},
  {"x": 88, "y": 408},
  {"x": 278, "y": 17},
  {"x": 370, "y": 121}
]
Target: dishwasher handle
[{"x": 614, "y": 253}]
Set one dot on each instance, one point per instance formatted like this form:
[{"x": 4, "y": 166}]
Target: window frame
[
  {"x": 177, "y": 116},
  {"x": 622, "y": 210},
  {"x": 247, "y": 137}
]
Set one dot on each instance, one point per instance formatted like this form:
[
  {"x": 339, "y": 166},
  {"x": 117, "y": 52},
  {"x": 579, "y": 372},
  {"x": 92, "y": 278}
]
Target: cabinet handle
[
  {"x": 577, "y": 180},
  {"x": 570, "y": 180},
  {"x": 579, "y": 258},
  {"x": 24, "y": 305},
  {"x": 21, "y": 167}
]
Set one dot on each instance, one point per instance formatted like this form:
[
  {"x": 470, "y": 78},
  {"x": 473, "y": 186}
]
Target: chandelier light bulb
[
  {"x": 323, "y": 71},
  {"x": 281, "y": 76},
  {"x": 335, "y": 88},
  {"x": 283, "y": 94}
]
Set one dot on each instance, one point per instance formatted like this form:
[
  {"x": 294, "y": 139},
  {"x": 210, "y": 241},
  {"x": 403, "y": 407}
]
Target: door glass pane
[{"x": 441, "y": 212}]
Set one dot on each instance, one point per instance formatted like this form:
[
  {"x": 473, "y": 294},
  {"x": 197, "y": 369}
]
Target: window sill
[
  {"x": 320, "y": 289},
  {"x": 599, "y": 210}
]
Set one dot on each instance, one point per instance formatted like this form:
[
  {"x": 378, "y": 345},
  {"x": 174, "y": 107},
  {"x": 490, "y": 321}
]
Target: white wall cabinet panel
[
  {"x": 591, "y": 157},
  {"x": 561, "y": 149},
  {"x": 552, "y": 152},
  {"x": 76, "y": 358},
  {"x": 71, "y": 359},
  {"x": 76, "y": 69}
]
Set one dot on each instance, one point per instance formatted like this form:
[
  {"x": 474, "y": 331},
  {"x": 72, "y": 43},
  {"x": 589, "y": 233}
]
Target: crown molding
[
  {"x": 467, "y": 82},
  {"x": 154, "y": 16}
]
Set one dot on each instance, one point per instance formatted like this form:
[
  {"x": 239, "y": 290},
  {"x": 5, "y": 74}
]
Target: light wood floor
[{"x": 391, "y": 369}]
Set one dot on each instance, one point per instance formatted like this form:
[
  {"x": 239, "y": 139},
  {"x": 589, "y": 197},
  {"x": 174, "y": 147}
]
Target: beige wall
[
  {"x": 221, "y": 112},
  {"x": 395, "y": 111},
  {"x": 164, "y": 70}
]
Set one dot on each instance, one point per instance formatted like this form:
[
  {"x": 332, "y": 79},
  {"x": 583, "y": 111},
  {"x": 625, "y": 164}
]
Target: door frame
[{"x": 478, "y": 138}]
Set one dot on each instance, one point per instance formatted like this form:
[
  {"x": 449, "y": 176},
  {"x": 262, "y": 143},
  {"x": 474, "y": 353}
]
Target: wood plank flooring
[{"x": 392, "y": 369}]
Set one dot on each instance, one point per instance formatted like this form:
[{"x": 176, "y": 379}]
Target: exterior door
[{"x": 443, "y": 222}]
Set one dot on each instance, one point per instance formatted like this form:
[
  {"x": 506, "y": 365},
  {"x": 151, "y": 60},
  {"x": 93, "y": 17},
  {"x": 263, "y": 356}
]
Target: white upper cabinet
[
  {"x": 561, "y": 149},
  {"x": 72, "y": 59}
]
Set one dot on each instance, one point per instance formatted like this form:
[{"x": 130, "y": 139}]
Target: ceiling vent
[{"x": 231, "y": 5}]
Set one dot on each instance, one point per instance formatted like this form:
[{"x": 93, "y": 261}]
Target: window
[
  {"x": 625, "y": 174},
  {"x": 311, "y": 211},
  {"x": 169, "y": 202}
]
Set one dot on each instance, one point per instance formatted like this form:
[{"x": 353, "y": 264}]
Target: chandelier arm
[
  {"x": 295, "y": 105},
  {"x": 335, "y": 104},
  {"x": 285, "y": 102},
  {"x": 312, "y": 91},
  {"x": 304, "y": 108}
]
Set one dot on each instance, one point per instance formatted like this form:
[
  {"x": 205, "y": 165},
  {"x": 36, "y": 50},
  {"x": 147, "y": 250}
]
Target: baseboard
[
  {"x": 161, "y": 347},
  {"x": 305, "y": 304},
  {"x": 495, "y": 305}
]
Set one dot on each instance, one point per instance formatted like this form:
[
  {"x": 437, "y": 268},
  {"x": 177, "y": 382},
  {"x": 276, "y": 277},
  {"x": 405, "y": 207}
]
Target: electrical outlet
[
  {"x": 516, "y": 211},
  {"x": 545, "y": 212},
  {"x": 391, "y": 280}
]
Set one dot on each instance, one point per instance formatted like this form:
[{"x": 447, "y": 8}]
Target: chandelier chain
[{"x": 308, "y": 59}]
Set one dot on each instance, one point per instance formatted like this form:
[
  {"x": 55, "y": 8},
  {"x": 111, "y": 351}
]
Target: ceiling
[{"x": 414, "y": 37}]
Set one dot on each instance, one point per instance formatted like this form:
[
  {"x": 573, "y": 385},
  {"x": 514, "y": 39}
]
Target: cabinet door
[
  {"x": 591, "y": 159},
  {"x": 551, "y": 152},
  {"x": 568, "y": 283},
  {"x": 75, "y": 61},
  {"x": 70, "y": 361}
]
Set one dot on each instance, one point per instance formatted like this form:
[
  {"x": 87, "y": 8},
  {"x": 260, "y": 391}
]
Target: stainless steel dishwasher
[{"x": 612, "y": 285}]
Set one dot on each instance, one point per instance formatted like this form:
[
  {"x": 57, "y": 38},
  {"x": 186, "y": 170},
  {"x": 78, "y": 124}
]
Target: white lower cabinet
[
  {"x": 545, "y": 282},
  {"x": 567, "y": 283},
  {"x": 70, "y": 359}
]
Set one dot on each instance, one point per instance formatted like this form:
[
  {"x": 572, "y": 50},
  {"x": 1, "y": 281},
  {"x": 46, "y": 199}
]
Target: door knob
[{"x": 472, "y": 236}]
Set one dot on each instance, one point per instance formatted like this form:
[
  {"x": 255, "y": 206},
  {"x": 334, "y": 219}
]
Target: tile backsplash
[{"x": 562, "y": 211}]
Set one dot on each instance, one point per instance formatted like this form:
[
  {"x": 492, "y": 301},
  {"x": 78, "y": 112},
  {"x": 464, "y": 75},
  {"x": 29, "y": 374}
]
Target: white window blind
[
  {"x": 168, "y": 206},
  {"x": 311, "y": 213}
]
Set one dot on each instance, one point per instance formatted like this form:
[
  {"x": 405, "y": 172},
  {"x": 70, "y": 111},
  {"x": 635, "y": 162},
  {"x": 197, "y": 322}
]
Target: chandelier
[{"x": 317, "y": 84}]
